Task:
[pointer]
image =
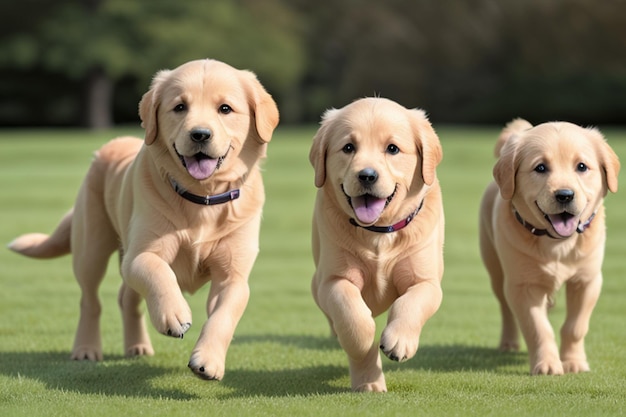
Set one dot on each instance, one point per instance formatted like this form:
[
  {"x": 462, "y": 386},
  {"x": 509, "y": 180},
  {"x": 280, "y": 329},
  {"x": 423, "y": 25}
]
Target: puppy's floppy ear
[
  {"x": 514, "y": 127},
  {"x": 263, "y": 106},
  {"x": 506, "y": 151},
  {"x": 149, "y": 106},
  {"x": 505, "y": 168},
  {"x": 319, "y": 148},
  {"x": 427, "y": 143},
  {"x": 608, "y": 159}
]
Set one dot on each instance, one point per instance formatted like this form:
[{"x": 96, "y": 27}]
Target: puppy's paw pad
[
  {"x": 371, "y": 387},
  {"x": 574, "y": 367},
  {"x": 508, "y": 346},
  {"x": 178, "y": 331},
  {"x": 86, "y": 353},
  {"x": 139, "y": 350},
  {"x": 206, "y": 372},
  {"x": 391, "y": 355},
  {"x": 548, "y": 368},
  {"x": 170, "y": 318},
  {"x": 399, "y": 345}
]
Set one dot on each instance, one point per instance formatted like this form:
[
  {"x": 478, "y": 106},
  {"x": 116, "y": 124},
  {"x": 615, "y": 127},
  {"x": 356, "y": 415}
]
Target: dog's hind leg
[
  {"x": 509, "y": 338},
  {"x": 509, "y": 334},
  {"x": 93, "y": 242},
  {"x": 136, "y": 339}
]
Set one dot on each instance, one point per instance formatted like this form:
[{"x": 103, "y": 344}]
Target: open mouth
[
  {"x": 367, "y": 207},
  {"x": 200, "y": 165},
  {"x": 564, "y": 224}
]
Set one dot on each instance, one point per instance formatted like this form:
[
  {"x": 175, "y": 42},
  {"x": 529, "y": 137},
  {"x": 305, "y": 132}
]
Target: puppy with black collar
[{"x": 542, "y": 226}]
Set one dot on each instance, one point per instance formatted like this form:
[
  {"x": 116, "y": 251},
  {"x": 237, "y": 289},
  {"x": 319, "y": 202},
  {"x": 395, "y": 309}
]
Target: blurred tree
[
  {"x": 564, "y": 59},
  {"x": 100, "y": 42},
  {"x": 482, "y": 61},
  {"x": 414, "y": 51}
]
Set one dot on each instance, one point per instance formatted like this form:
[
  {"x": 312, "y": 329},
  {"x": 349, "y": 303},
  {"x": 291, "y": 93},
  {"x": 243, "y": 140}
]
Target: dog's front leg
[
  {"x": 355, "y": 328},
  {"x": 227, "y": 301},
  {"x": 407, "y": 315},
  {"x": 153, "y": 278},
  {"x": 530, "y": 306},
  {"x": 581, "y": 299}
]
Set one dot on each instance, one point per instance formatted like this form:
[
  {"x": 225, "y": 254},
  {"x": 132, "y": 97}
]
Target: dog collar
[
  {"x": 209, "y": 200},
  {"x": 394, "y": 227},
  {"x": 543, "y": 232}
]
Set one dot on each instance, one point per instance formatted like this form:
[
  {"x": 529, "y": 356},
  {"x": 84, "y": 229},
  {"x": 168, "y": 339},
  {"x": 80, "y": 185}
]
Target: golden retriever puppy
[
  {"x": 378, "y": 231},
  {"x": 542, "y": 226},
  {"x": 182, "y": 208}
]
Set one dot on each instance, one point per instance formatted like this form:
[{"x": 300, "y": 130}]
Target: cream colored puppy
[
  {"x": 378, "y": 231},
  {"x": 182, "y": 208},
  {"x": 542, "y": 226}
]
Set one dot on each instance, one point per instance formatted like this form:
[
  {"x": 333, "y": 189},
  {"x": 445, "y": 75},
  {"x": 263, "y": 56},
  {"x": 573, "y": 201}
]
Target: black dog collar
[
  {"x": 394, "y": 227},
  {"x": 208, "y": 200},
  {"x": 543, "y": 232}
]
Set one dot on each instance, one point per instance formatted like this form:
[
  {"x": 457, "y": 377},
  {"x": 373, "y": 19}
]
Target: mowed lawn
[{"x": 282, "y": 361}]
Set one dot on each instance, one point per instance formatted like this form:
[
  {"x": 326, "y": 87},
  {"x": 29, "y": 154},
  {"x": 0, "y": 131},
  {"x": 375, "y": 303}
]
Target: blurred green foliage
[{"x": 483, "y": 61}]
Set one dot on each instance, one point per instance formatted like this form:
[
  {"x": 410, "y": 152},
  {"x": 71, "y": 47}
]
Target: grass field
[{"x": 282, "y": 362}]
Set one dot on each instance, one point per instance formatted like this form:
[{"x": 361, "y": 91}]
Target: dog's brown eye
[
  {"x": 225, "y": 109},
  {"x": 348, "y": 148},
  {"x": 180, "y": 108},
  {"x": 581, "y": 167},
  {"x": 541, "y": 168},
  {"x": 392, "y": 149}
]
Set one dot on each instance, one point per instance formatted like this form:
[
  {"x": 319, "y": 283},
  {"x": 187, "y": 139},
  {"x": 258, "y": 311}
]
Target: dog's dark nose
[
  {"x": 200, "y": 135},
  {"x": 368, "y": 176},
  {"x": 564, "y": 195}
]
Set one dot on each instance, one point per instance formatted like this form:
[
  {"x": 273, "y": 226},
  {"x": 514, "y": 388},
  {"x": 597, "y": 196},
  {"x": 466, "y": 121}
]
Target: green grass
[{"x": 282, "y": 362}]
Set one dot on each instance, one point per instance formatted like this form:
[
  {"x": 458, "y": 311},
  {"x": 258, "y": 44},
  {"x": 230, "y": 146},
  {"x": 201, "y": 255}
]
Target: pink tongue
[
  {"x": 367, "y": 208},
  {"x": 564, "y": 224},
  {"x": 200, "y": 168}
]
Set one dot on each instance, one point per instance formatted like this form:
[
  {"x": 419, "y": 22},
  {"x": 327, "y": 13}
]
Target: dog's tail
[
  {"x": 512, "y": 128},
  {"x": 39, "y": 245}
]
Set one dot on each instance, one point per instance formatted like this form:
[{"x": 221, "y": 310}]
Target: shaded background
[{"x": 87, "y": 62}]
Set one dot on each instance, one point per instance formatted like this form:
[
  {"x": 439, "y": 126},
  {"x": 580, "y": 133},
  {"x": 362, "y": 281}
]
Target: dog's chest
[
  {"x": 377, "y": 285},
  {"x": 552, "y": 263},
  {"x": 559, "y": 271},
  {"x": 196, "y": 263}
]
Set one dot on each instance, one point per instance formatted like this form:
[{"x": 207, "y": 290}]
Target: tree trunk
[
  {"x": 99, "y": 88},
  {"x": 99, "y": 100}
]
